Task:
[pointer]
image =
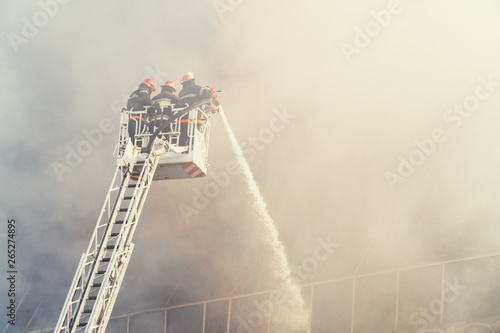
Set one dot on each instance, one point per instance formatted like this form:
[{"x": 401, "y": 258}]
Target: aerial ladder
[{"x": 155, "y": 155}]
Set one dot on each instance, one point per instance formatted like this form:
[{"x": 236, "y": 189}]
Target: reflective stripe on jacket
[{"x": 158, "y": 117}]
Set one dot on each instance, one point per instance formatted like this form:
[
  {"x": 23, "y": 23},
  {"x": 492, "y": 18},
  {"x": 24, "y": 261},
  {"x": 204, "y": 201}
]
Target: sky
[{"x": 370, "y": 123}]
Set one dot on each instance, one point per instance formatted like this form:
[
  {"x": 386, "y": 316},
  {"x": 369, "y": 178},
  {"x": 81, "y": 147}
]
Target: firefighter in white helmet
[{"x": 191, "y": 93}]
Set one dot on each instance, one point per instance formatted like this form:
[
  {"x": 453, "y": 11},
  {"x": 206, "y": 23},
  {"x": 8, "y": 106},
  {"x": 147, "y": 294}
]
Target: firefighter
[
  {"x": 138, "y": 101},
  {"x": 191, "y": 93},
  {"x": 164, "y": 100}
]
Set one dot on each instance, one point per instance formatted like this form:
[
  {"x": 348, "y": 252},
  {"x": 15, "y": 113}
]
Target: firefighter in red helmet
[
  {"x": 165, "y": 99},
  {"x": 139, "y": 100},
  {"x": 167, "y": 95}
]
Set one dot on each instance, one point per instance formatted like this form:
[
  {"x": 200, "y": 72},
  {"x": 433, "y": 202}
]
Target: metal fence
[{"x": 455, "y": 296}]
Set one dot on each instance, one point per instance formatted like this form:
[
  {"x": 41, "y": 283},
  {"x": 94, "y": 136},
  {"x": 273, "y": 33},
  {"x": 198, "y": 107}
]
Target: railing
[
  {"x": 181, "y": 133},
  {"x": 486, "y": 320}
]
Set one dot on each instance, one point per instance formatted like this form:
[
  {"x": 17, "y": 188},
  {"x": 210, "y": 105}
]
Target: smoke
[{"x": 322, "y": 175}]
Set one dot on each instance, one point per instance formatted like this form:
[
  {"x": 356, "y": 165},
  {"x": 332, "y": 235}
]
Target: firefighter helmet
[
  {"x": 170, "y": 84},
  {"x": 187, "y": 77},
  {"x": 151, "y": 84}
]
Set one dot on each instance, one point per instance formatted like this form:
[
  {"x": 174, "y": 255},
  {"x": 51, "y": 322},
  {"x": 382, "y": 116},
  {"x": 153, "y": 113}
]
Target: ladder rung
[{"x": 97, "y": 280}]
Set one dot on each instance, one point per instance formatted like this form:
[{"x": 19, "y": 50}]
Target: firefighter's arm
[
  {"x": 205, "y": 93},
  {"x": 144, "y": 99}
]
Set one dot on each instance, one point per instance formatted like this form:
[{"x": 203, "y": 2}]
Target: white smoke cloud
[{"x": 324, "y": 174}]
